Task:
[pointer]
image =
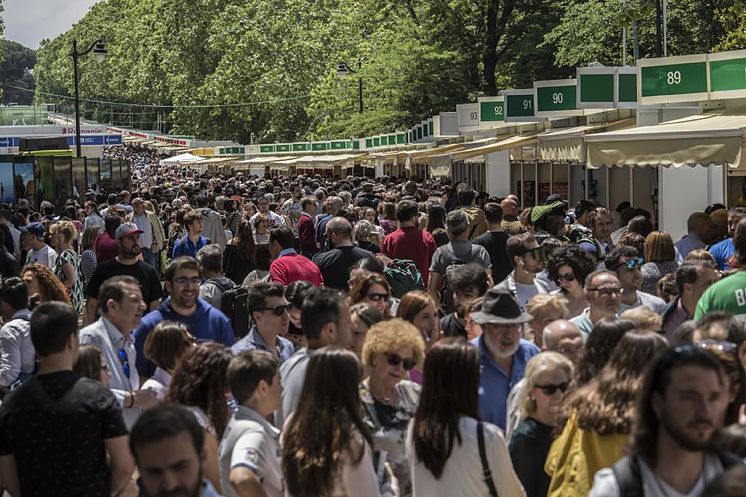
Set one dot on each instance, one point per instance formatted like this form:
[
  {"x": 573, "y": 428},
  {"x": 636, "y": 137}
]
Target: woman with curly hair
[
  {"x": 43, "y": 285},
  {"x": 598, "y": 416},
  {"x": 67, "y": 266},
  {"x": 329, "y": 455},
  {"x": 200, "y": 384},
  {"x": 372, "y": 289},
  {"x": 238, "y": 258},
  {"x": 392, "y": 349},
  {"x": 568, "y": 267}
]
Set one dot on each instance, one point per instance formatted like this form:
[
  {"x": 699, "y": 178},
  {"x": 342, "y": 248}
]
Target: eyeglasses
[
  {"x": 566, "y": 277},
  {"x": 606, "y": 291},
  {"x": 552, "y": 389},
  {"x": 278, "y": 310},
  {"x": 378, "y": 297},
  {"x": 396, "y": 359},
  {"x": 183, "y": 281}
]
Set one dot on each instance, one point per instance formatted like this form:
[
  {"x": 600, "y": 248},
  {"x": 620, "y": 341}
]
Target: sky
[{"x": 30, "y": 21}]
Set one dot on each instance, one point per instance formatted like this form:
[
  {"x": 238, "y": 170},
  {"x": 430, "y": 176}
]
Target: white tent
[{"x": 181, "y": 159}]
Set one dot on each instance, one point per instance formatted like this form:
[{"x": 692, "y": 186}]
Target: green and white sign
[
  {"x": 727, "y": 74},
  {"x": 626, "y": 87},
  {"x": 491, "y": 111},
  {"x": 301, "y": 147},
  {"x": 266, "y": 149},
  {"x": 401, "y": 138},
  {"x": 556, "y": 98},
  {"x": 606, "y": 87},
  {"x": 319, "y": 146},
  {"x": 519, "y": 105},
  {"x": 672, "y": 79},
  {"x": 282, "y": 147},
  {"x": 340, "y": 145}
]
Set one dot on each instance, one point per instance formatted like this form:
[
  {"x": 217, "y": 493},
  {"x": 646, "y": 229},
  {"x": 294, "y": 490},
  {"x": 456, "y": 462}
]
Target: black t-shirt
[
  {"x": 145, "y": 274},
  {"x": 529, "y": 446},
  {"x": 55, "y": 425},
  {"x": 452, "y": 327},
  {"x": 335, "y": 265},
  {"x": 495, "y": 242}
]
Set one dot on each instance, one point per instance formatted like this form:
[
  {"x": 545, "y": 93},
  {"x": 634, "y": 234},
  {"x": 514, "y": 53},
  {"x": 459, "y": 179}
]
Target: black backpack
[
  {"x": 235, "y": 305},
  {"x": 628, "y": 476}
]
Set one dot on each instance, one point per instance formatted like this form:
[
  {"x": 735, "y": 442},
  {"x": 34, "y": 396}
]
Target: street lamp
[
  {"x": 99, "y": 53},
  {"x": 342, "y": 71}
]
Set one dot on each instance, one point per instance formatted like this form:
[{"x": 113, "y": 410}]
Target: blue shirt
[
  {"x": 254, "y": 340},
  {"x": 495, "y": 385},
  {"x": 184, "y": 246},
  {"x": 721, "y": 251}
]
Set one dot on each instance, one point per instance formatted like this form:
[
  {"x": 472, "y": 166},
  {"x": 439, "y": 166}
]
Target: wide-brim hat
[{"x": 500, "y": 307}]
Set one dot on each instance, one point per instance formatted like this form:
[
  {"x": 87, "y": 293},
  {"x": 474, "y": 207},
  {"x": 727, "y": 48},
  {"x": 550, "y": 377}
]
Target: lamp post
[
  {"x": 99, "y": 52},
  {"x": 342, "y": 71}
]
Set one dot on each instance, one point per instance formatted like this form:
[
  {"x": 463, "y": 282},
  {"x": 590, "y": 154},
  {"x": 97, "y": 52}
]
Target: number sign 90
[{"x": 557, "y": 98}]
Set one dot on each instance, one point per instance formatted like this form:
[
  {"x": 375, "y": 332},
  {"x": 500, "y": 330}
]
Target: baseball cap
[
  {"x": 35, "y": 228},
  {"x": 126, "y": 229}
]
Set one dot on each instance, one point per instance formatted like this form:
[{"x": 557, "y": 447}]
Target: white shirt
[
  {"x": 656, "y": 304},
  {"x": 274, "y": 219},
  {"x": 158, "y": 384},
  {"x": 17, "y": 354},
  {"x": 462, "y": 473},
  {"x": 605, "y": 484},
  {"x": 46, "y": 256}
]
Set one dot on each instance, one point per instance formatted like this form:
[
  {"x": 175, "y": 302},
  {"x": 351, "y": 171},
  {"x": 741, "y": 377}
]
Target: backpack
[
  {"x": 222, "y": 284},
  {"x": 628, "y": 476},
  {"x": 403, "y": 276},
  {"x": 454, "y": 263},
  {"x": 235, "y": 305}
]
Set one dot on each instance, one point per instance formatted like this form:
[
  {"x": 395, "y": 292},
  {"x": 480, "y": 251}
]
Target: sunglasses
[
  {"x": 552, "y": 389},
  {"x": 633, "y": 263},
  {"x": 378, "y": 297},
  {"x": 277, "y": 311},
  {"x": 717, "y": 346},
  {"x": 396, "y": 359},
  {"x": 566, "y": 277}
]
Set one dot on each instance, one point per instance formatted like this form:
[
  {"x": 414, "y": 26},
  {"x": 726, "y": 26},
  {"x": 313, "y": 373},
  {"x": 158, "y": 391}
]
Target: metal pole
[
  {"x": 77, "y": 98},
  {"x": 360, "y": 94},
  {"x": 658, "y": 31},
  {"x": 665, "y": 28}
]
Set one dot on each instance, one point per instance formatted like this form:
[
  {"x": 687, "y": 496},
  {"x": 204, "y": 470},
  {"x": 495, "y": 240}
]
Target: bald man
[
  {"x": 336, "y": 262},
  {"x": 697, "y": 226},
  {"x": 564, "y": 337}
]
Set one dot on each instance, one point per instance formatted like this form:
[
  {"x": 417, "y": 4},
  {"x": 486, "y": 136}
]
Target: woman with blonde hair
[
  {"x": 598, "y": 416},
  {"x": 67, "y": 266},
  {"x": 43, "y": 285},
  {"x": 660, "y": 259},
  {"x": 548, "y": 376},
  {"x": 392, "y": 349},
  {"x": 544, "y": 308}
]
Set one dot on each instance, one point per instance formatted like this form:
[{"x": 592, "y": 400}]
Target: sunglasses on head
[
  {"x": 633, "y": 263},
  {"x": 396, "y": 359},
  {"x": 552, "y": 389},
  {"x": 277, "y": 311}
]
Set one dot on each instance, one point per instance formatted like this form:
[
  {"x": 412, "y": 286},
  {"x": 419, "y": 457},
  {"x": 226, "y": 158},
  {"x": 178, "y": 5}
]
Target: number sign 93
[{"x": 473, "y": 116}]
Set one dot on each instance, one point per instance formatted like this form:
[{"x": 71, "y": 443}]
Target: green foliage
[{"x": 15, "y": 70}]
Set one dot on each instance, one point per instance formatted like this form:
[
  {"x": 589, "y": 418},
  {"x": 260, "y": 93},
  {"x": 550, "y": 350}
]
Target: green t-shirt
[{"x": 727, "y": 295}]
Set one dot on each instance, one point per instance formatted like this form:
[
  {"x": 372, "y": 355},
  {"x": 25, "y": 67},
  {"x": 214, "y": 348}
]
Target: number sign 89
[{"x": 673, "y": 77}]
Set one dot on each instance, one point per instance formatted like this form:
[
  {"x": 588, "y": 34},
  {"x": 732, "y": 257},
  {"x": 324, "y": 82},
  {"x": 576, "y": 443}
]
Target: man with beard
[
  {"x": 626, "y": 262},
  {"x": 680, "y": 408},
  {"x": 527, "y": 258},
  {"x": 125, "y": 263},
  {"x": 168, "y": 445},
  {"x": 503, "y": 352},
  {"x": 205, "y": 322}
]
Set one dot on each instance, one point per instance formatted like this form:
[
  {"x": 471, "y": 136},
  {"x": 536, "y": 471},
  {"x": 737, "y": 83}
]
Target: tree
[{"x": 15, "y": 71}]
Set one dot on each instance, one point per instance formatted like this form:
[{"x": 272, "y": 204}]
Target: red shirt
[
  {"x": 411, "y": 243},
  {"x": 294, "y": 267},
  {"x": 307, "y": 234}
]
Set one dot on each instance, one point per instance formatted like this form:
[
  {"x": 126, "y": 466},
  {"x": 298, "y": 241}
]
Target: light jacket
[{"x": 158, "y": 235}]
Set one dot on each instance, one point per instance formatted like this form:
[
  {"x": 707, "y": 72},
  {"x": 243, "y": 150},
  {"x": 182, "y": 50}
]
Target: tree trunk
[{"x": 496, "y": 26}]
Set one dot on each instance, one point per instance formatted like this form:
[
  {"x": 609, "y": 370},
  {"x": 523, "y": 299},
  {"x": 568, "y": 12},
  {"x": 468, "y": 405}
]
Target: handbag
[{"x": 485, "y": 465}]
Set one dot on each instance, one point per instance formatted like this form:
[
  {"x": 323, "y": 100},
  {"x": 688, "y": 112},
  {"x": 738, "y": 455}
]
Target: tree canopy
[
  {"x": 265, "y": 70},
  {"x": 15, "y": 72}
]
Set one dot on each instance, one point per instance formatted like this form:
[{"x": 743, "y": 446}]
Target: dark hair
[
  {"x": 578, "y": 259},
  {"x": 600, "y": 346},
  {"x": 14, "y": 292},
  {"x": 111, "y": 223},
  {"x": 210, "y": 257},
  {"x": 88, "y": 362},
  {"x": 739, "y": 240},
  {"x": 322, "y": 306},
  {"x": 258, "y": 293},
  {"x": 247, "y": 369},
  {"x": 468, "y": 276},
  {"x": 436, "y": 217},
  {"x": 634, "y": 240},
  {"x": 315, "y": 445},
  {"x": 306, "y": 201},
  {"x": 190, "y": 217},
  {"x": 449, "y": 391},
  {"x": 493, "y": 212},
  {"x": 112, "y": 289},
  {"x": 465, "y": 196},
  {"x": 282, "y": 235},
  {"x": 440, "y": 236},
  {"x": 688, "y": 272},
  {"x": 52, "y": 323},
  {"x": 262, "y": 257},
  {"x": 183, "y": 262},
  {"x": 406, "y": 210},
  {"x": 372, "y": 264},
  {"x": 613, "y": 260},
  {"x": 295, "y": 292},
  {"x": 362, "y": 286},
  {"x": 200, "y": 381},
  {"x": 641, "y": 225},
  {"x": 167, "y": 343},
  {"x": 165, "y": 421},
  {"x": 246, "y": 244},
  {"x": 644, "y": 434}
]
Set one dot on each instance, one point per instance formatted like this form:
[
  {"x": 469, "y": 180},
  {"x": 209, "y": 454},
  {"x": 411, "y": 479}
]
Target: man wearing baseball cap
[
  {"x": 127, "y": 262},
  {"x": 32, "y": 239},
  {"x": 503, "y": 353}
]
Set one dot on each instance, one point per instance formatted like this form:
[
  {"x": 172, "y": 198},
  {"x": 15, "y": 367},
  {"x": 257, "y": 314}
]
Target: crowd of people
[{"x": 312, "y": 336}]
